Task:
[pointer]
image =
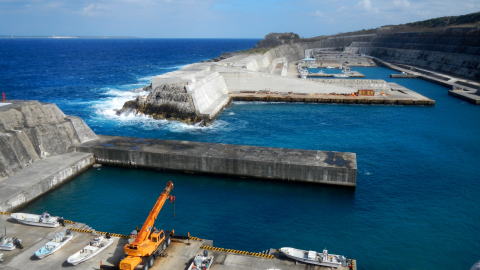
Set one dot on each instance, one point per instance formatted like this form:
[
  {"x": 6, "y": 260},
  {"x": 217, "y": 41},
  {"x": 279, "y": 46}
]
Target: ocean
[{"x": 417, "y": 201}]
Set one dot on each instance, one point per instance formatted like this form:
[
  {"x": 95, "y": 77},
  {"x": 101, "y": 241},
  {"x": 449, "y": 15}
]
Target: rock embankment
[
  {"x": 32, "y": 131},
  {"x": 168, "y": 100}
]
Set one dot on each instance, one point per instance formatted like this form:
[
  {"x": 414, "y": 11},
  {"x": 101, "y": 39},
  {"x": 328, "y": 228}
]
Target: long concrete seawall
[
  {"x": 322, "y": 167},
  {"x": 41, "y": 177}
]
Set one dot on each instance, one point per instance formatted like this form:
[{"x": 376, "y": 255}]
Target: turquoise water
[
  {"x": 325, "y": 70},
  {"x": 417, "y": 204}
]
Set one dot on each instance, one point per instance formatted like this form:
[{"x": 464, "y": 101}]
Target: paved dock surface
[
  {"x": 181, "y": 253},
  {"x": 178, "y": 256},
  {"x": 35, "y": 237}
]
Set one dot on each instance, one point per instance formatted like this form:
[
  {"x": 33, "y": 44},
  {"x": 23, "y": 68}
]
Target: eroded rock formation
[
  {"x": 30, "y": 131},
  {"x": 169, "y": 100}
]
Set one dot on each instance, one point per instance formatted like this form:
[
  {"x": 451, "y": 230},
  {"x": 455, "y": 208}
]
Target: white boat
[
  {"x": 43, "y": 220},
  {"x": 96, "y": 246},
  {"x": 330, "y": 67},
  {"x": 7, "y": 243},
  {"x": 340, "y": 75},
  {"x": 313, "y": 257},
  {"x": 58, "y": 241},
  {"x": 201, "y": 262}
]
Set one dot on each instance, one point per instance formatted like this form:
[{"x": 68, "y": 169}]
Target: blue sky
[{"x": 215, "y": 18}]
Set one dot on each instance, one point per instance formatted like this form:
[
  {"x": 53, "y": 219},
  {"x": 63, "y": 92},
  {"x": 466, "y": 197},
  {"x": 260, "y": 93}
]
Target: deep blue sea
[{"x": 416, "y": 206}]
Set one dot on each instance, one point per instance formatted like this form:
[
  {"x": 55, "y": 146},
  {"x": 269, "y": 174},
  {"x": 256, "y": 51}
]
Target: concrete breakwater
[
  {"x": 322, "y": 167},
  {"x": 199, "y": 92},
  {"x": 41, "y": 148}
]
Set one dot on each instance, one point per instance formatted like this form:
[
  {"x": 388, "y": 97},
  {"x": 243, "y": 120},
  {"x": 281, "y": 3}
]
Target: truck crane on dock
[{"x": 149, "y": 242}]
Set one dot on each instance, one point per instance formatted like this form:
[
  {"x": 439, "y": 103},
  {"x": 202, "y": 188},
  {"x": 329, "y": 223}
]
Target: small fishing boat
[
  {"x": 313, "y": 257},
  {"x": 96, "y": 246},
  {"x": 340, "y": 75},
  {"x": 201, "y": 262},
  {"x": 58, "y": 241},
  {"x": 43, "y": 220},
  {"x": 7, "y": 243},
  {"x": 330, "y": 67}
]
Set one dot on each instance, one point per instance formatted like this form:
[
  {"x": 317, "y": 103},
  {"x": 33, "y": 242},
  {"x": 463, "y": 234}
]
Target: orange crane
[{"x": 149, "y": 241}]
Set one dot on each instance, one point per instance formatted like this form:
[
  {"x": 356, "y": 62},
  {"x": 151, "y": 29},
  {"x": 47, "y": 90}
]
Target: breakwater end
[{"x": 323, "y": 167}]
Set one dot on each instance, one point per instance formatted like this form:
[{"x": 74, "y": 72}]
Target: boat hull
[
  {"x": 40, "y": 255},
  {"x": 7, "y": 248},
  {"x": 307, "y": 261},
  {"x": 38, "y": 224},
  {"x": 34, "y": 220},
  {"x": 78, "y": 258},
  {"x": 210, "y": 262}
]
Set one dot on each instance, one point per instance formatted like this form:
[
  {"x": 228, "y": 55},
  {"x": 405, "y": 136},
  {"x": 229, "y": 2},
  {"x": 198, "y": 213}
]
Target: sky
[{"x": 215, "y": 18}]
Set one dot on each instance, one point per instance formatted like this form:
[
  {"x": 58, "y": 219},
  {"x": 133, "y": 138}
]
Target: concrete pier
[
  {"x": 41, "y": 177},
  {"x": 321, "y": 167},
  {"x": 467, "y": 90}
]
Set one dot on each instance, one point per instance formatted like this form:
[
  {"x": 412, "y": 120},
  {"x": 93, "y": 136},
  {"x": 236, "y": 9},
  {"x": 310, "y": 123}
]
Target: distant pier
[{"x": 296, "y": 165}]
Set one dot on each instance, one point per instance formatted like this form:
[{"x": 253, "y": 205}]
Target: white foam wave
[
  {"x": 173, "y": 67},
  {"x": 106, "y": 109}
]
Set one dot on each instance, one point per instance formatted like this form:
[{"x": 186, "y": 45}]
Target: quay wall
[{"x": 323, "y": 167}]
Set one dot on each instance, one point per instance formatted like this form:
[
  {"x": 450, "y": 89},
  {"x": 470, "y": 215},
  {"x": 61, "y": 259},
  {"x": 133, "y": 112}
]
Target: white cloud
[
  {"x": 401, "y": 3},
  {"x": 94, "y": 9},
  {"x": 368, "y": 5}
]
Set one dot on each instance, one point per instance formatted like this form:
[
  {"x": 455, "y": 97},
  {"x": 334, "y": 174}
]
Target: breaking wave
[{"x": 114, "y": 97}]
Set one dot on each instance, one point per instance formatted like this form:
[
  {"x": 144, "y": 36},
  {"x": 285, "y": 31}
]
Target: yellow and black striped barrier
[
  {"x": 5, "y": 213},
  {"x": 240, "y": 252},
  {"x": 92, "y": 231}
]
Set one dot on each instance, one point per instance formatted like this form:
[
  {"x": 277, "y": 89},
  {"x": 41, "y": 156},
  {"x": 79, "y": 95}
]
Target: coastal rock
[
  {"x": 167, "y": 101},
  {"x": 30, "y": 131},
  {"x": 276, "y": 39}
]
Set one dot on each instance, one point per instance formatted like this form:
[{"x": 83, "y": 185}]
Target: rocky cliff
[
  {"x": 168, "y": 100},
  {"x": 30, "y": 131},
  {"x": 448, "y": 44}
]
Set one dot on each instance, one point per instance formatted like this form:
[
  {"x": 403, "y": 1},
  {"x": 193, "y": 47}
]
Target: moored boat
[
  {"x": 201, "y": 262},
  {"x": 43, "y": 220},
  {"x": 6, "y": 243},
  {"x": 96, "y": 246},
  {"x": 58, "y": 241},
  {"x": 316, "y": 258}
]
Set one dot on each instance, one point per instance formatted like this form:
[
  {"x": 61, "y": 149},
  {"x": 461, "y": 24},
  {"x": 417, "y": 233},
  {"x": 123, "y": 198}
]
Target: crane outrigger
[{"x": 149, "y": 241}]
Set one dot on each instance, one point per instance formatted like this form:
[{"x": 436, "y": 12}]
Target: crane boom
[
  {"x": 149, "y": 242},
  {"x": 150, "y": 221}
]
